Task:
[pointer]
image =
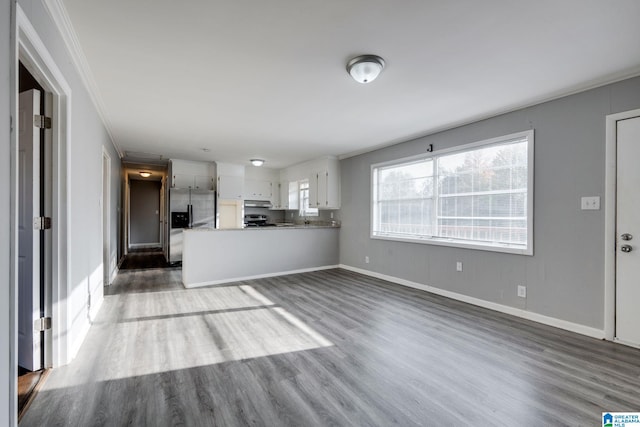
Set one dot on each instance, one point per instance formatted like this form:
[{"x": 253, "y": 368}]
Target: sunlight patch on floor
[{"x": 154, "y": 333}]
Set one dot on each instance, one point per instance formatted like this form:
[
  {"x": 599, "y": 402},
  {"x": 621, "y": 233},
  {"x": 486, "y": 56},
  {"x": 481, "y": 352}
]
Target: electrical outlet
[
  {"x": 366, "y": 260},
  {"x": 522, "y": 291},
  {"x": 331, "y": 215},
  {"x": 291, "y": 214},
  {"x": 590, "y": 203},
  {"x": 459, "y": 266}
]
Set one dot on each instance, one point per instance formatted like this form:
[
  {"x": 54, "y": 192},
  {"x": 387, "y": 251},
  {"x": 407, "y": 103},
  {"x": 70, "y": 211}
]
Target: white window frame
[
  {"x": 446, "y": 241},
  {"x": 305, "y": 210}
]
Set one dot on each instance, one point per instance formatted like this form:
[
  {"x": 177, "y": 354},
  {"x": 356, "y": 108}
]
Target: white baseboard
[
  {"x": 258, "y": 276},
  {"x": 529, "y": 315},
  {"x": 144, "y": 245}
]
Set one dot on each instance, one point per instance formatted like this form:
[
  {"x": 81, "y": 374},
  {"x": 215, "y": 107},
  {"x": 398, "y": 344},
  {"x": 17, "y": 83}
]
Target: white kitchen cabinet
[
  {"x": 283, "y": 189},
  {"x": 286, "y": 196},
  {"x": 257, "y": 189},
  {"x": 275, "y": 197},
  {"x": 230, "y": 187},
  {"x": 203, "y": 182},
  {"x": 182, "y": 181},
  {"x": 186, "y": 174},
  {"x": 324, "y": 187}
]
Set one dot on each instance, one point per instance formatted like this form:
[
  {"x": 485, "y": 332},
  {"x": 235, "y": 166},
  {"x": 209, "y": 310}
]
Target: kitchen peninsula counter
[{"x": 214, "y": 256}]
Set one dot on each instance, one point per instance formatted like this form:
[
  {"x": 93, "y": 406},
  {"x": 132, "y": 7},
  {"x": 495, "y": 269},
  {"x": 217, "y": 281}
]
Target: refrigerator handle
[{"x": 190, "y": 210}]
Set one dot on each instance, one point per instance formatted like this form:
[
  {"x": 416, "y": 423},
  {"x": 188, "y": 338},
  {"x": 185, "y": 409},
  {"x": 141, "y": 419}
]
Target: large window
[{"x": 476, "y": 196}]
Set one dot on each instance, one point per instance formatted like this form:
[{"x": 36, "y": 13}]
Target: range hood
[{"x": 257, "y": 203}]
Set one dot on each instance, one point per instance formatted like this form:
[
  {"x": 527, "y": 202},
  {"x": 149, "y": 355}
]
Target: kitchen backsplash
[{"x": 292, "y": 215}]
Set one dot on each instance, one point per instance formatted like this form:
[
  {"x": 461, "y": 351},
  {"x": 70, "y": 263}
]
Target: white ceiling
[{"x": 267, "y": 79}]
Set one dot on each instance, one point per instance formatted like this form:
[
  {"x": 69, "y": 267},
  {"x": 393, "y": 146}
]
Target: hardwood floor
[
  {"x": 326, "y": 348},
  {"x": 143, "y": 259},
  {"x": 28, "y": 385}
]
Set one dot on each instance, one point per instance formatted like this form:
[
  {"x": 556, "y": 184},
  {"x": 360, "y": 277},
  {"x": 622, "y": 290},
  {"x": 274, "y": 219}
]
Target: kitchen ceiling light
[
  {"x": 145, "y": 174},
  {"x": 365, "y": 68},
  {"x": 257, "y": 162}
]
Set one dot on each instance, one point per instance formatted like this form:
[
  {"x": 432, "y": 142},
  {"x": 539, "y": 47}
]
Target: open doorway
[
  {"x": 34, "y": 234},
  {"x": 144, "y": 216}
]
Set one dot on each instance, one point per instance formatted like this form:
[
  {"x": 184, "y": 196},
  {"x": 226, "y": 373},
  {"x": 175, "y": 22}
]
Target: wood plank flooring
[
  {"x": 330, "y": 348},
  {"x": 144, "y": 258},
  {"x": 28, "y": 385}
]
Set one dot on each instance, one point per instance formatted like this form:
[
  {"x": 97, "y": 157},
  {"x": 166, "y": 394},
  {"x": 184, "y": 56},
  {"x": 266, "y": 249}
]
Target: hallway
[{"x": 325, "y": 348}]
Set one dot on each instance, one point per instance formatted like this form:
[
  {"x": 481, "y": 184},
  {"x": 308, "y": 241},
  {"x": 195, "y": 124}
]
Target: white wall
[
  {"x": 7, "y": 341},
  {"x": 87, "y": 137}
]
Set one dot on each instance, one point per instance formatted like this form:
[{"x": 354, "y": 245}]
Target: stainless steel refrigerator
[{"x": 189, "y": 209}]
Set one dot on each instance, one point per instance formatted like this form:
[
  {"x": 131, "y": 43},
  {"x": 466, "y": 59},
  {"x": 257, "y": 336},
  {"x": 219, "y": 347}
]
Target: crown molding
[{"x": 61, "y": 19}]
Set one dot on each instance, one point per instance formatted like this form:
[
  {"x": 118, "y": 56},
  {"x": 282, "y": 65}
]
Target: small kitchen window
[{"x": 305, "y": 210}]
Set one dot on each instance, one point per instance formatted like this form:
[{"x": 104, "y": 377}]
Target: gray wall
[
  {"x": 7, "y": 334},
  {"x": 565, "y": 277},
  {"x": 88, "y": 138},
  {"x": 144, "y": 214}
]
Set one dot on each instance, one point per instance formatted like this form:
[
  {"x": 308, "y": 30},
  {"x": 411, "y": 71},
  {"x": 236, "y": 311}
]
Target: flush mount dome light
[
  {"x": 365, "y": 68},
  {"x": 257, "y": 162},
  {"x": 145, "y": 174}
]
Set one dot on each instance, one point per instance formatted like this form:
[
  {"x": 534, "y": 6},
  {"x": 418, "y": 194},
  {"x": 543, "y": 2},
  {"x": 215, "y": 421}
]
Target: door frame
[
  {"x": 32, "y": 52},
  {"x": 105, "y": 218},
  {"x": 610, "y": 221}
]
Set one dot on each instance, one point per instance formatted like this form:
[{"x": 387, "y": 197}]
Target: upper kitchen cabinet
[
  {"x": 230, "y": 181},
  {"x": 262, "y": 184},
  {"x": 186, "y": 174},
  {"x": 324, "y": 184},
  {"x": 257, "y": 189},
  {"x": 230, "y": 187},
  {"x": 276, "y": 199}
]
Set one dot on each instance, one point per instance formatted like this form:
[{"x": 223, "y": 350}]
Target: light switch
[{"x": 590, "y": 203}]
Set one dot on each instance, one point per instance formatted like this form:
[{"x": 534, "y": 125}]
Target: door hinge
[
  {"x": 42, "y": 324},
  {"x": 42, "y": 122},
  {"x": 41, "y": 223}
]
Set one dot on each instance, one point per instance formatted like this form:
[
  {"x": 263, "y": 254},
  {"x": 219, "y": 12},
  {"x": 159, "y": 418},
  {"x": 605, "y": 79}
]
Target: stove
[{"x": 257, "y": 220}]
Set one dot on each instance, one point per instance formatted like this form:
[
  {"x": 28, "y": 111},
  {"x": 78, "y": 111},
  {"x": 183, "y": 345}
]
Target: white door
[
  {"x": 628, "y": 232},
  {"x": 29, "y": 340}
]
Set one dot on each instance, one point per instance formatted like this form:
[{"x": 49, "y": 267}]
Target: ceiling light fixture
[
  {"x": 257, "y": 162},
  {"x": 365, "y": 68},
  {"x": 145, "y": 174}
]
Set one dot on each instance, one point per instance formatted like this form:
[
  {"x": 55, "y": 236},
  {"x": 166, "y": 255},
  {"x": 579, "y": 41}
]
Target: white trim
[
  {"x": 114, "y": 273},
  {"x": 11, "y": 417},
  {"x": 145, "y": 245},
  {"x": 105, "y": 217},
  {"x": 610, "y": 221},
  {"x": 35, "y": 56},
  {"x": 524, "y": 314},
  {"x": 61, "y": 19},
  {"x": 258, "y": 276}
]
